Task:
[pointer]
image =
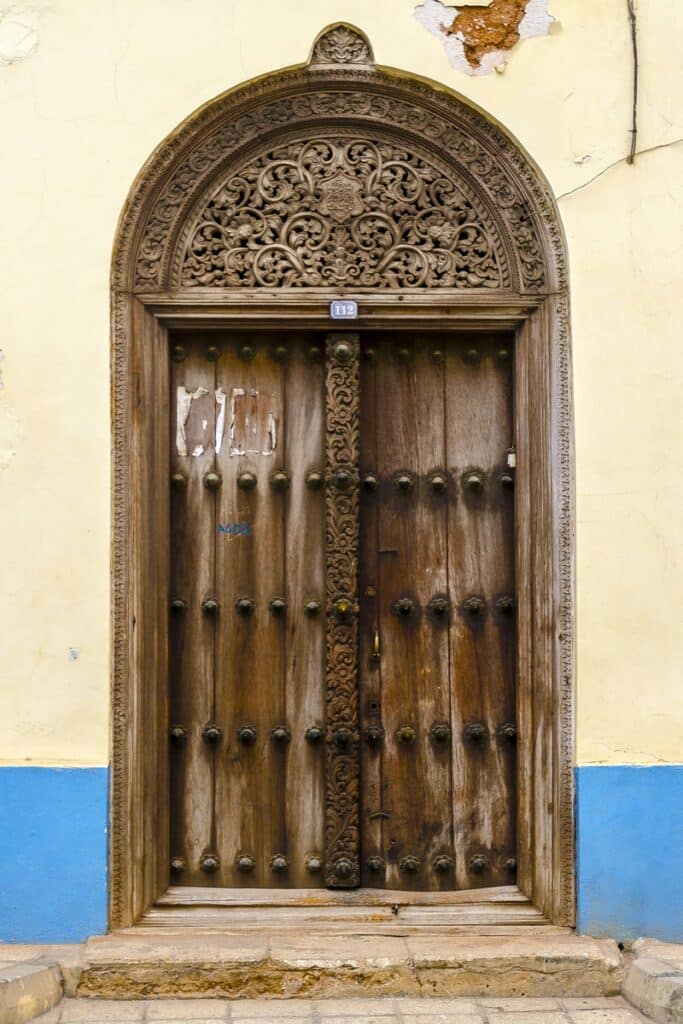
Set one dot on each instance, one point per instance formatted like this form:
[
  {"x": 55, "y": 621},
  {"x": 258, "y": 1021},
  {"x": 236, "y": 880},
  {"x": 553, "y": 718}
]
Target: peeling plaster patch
[
  {"x": 478, "y": 39},
  {"x": 18, "y": 33}
]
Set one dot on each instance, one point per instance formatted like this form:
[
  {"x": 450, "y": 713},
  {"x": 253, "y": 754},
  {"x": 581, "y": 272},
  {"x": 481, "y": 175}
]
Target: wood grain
[
  {"x": 414, "y": 661},
  {"x": 304, "y": 634},
  {"x": 250, "y": 647},
  {"x": 191, "y": 631},
  {"x": 481, "y": 563},
  {"x": 369, "y": 639}
]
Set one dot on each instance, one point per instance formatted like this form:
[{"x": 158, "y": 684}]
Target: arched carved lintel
[{"x": 341, "y": 88}]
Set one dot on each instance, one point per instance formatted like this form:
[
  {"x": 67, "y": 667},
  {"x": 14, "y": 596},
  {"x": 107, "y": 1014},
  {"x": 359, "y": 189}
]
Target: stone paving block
[
  {"x": 458, "y": 1007},
  {"x": 254, "y": 1009},
  {"x": 18, "y": 952},
  {"x": 362, "y": 1018},
  {"x": 522, "y": 1016},
  {"x": 670, "y": 952},
  {"x": 621, "y": 1015},
  {"x": 339, "y": 951},
  {"x": 383, "y": 1006},
  {"x": 272, "y": 1018},
  {"x": 175, "y": 948},
  {"x": 442, "y": 1018},
  {"x": 51, "y": 1017},
  {"x": 509, "y": 1003},
  {"x": 92, "y": 1011},
  {"x": 187, "y": 1009},
  {"x": 655, "y": 987},
  {"x": 592, "y": 1002}
]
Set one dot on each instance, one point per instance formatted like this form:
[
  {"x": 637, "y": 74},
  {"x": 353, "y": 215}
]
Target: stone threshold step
[{"x": 142, "y": 963}]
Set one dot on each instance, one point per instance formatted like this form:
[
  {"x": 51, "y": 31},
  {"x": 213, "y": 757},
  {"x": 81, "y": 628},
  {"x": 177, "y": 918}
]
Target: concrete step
[
  {"x": 143, "y": 963},
  {"x": 27, "y": 990},
  {"x": 654, "y": 980}
]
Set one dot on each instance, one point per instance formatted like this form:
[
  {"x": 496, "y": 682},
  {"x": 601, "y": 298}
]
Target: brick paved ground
[{"x": 347, "y": 1011}]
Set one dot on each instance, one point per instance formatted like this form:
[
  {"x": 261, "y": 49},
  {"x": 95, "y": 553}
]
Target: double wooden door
[{"x": 342, "y": 611}]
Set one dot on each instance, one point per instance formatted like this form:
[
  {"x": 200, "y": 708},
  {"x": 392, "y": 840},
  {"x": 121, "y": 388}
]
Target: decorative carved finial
[{"x": 342, "y": 44}]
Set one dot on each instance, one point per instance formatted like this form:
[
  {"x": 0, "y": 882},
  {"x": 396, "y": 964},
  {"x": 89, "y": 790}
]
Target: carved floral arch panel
[{"x": 270, "y": 184}]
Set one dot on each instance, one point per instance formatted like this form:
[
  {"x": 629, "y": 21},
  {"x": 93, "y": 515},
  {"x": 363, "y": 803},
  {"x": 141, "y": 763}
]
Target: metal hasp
[{"x": 342, "y": 754}]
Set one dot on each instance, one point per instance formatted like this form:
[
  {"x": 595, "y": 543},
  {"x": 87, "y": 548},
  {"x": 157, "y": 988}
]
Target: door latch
[{"x": 376, "y": 651}]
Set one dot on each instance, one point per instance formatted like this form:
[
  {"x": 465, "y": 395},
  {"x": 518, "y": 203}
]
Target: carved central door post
[{"x": 342, "y": 451}]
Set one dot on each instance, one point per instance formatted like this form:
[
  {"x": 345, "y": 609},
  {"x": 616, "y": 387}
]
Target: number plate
[{"x": 343, "y": 309}]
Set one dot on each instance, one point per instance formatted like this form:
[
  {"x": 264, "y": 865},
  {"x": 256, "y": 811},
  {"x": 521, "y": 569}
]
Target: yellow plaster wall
[{"x": 105, "y": 84}]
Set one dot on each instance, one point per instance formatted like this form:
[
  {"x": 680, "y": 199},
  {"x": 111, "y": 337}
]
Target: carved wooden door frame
[{"x": 341, "y": 178}]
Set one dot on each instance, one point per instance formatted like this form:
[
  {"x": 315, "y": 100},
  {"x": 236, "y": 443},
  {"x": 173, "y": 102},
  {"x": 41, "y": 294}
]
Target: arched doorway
[{"x": 339, "y": 180}]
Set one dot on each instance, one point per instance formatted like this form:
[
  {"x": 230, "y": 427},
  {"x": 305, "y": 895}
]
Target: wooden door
[
  {"x": 247, "y": 612},
  {"x": 437, "y": 661},
  {"x": 341, "y": 612}
]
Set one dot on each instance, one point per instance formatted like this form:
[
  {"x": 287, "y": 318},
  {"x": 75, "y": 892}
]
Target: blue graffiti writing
[{"x": 235, "y": 529}]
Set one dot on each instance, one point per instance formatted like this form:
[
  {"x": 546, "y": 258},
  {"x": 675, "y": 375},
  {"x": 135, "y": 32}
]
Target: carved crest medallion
[{"x": 340, "y": 197}]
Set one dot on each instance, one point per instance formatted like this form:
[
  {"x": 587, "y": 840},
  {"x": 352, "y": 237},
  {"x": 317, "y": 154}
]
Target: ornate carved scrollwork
[
  {"x": 322, "y": 212},
  {"x": 467, "y": 163},
  {"x": 342, "y": 417},
  {"x": 341, "y": 44}
]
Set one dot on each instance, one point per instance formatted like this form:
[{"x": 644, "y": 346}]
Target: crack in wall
[
  {"x": 477, "y": 39},
  {"x": 615, "y": 163}
]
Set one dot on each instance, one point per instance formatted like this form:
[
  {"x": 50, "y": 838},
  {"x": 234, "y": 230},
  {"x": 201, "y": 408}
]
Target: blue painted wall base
[
  {"x": 630, "y": 851},
  {"x": 53, "y": 854}
]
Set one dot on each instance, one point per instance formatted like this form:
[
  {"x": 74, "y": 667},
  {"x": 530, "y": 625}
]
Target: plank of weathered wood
[
  {"x": 157, "y": 751},
  {"x": 305, "y": 628},
  {"x": 412, "y": 567},
  {"x": 481, "y": 566},
  {"x": 180, "y": 896},
  {"x": 250, "y": 644},
  {"x": 524, "y": 541},
  {"x": 369, "y": 640},
  {"x": 191, "y": 630}
]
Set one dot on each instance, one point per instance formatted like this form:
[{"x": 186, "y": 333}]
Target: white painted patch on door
[
  {"x": 221, "y": 399},
  {"x": 184, "y": 400},
  {"x": 253, "y": 426}
]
